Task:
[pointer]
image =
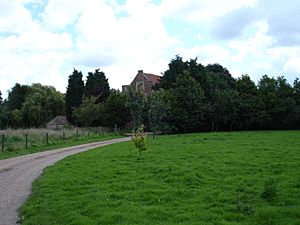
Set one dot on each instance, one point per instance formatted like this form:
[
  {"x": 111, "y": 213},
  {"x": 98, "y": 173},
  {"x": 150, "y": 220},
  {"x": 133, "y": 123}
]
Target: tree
[
  {"x": 247, "y": 92},
  {"x": 117, "y": 111},
  {"x": 74, "y": 94},
  {"x": 231, "y": 106},
  {"x": 1, "y": 99},
  {"x": 89, "y": 113},
  {"x": 224, "y": 78},
  {"x": 17, "y": 96},
  {"x": 15, "y": 118},
  {"x": 286, "y": 105},
  {"x": 188, "y": 106},
  {"x": 97, "y": 85},
  {"x": 267, "y": 102},
  {"x": 136, "y": 105},
  {"x": 176, "y": 67},
  {"x": 41, "y": 105},
  {"x": 296, "y": 111},
  {"x": 159, "y": 107},
  {"x": 4, "y": 115}
]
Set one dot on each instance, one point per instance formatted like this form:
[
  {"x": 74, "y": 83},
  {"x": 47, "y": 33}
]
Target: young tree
[
  {"x": 139, "y": 140},
  {"x": 74, "y": 94},
  {"x": 97, "y": 85}
]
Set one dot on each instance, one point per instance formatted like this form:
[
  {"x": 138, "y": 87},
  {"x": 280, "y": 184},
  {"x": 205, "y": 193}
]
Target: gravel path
[{"x": 18, "y": 173}]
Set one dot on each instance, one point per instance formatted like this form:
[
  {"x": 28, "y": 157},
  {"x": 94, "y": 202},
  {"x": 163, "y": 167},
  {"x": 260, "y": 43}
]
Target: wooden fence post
[
  {"x": 47, "y": 138},
  {"x": 26, "y": 140}
]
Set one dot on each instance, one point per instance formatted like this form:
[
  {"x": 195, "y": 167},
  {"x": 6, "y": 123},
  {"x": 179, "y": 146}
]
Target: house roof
[
  {"x": 58, "y": 120},
  {"x": 154, "y": 79}
]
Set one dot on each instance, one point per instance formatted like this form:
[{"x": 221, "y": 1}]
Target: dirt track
[{"x": 17, "y": 175}]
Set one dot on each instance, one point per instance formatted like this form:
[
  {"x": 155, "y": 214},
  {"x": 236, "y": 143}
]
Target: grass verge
[
  {"x": 207, "y": 178},
  {"x": 57, "y": 143}
]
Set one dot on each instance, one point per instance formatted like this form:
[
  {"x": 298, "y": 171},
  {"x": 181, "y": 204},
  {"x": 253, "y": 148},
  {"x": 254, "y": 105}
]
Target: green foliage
[
  {"x": 17, "y": 96},
  {"x": 136, "y": 105},
  {"x": 4, "y": 115},
  {"x": 89, "y": 113},
  {"x": 139, "y": 140},
  {"x": 74, "y": 94},
  {"x": 200, "y": 178},
  {"x": 16, "y": 118},
  {"x": 41, "y": 105},
  {"x": 230, "y": 103},
  {"x": 97, "y": 85},
  {"x": 188, "y": 105},
  {"x": 159, "y": 109},
  {"x": 116, "y": 109}
]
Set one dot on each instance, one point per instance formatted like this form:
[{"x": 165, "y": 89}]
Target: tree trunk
[{"x": 139, "y": 160}]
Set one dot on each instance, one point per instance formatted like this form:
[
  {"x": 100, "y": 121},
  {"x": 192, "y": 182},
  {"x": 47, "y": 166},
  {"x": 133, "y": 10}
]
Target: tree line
[{"x": 190, "y": 97}]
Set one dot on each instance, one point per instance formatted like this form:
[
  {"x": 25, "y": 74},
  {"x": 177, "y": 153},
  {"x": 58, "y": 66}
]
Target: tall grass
[{"x": 20, "y": 141}]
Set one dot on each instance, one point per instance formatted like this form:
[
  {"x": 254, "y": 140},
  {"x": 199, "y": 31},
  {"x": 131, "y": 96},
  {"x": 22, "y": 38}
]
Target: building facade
[{"x": 143, "y": 82}]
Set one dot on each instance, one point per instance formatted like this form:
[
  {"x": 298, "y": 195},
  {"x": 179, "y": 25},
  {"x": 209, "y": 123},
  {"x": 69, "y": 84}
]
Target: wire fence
[{"x": 11, "y": 139}]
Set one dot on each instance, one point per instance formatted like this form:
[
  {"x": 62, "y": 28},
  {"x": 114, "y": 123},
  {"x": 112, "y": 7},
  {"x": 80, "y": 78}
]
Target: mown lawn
[{"x": 248, "y": 178}]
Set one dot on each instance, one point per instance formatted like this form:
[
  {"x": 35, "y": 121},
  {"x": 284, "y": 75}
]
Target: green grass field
[{"x": 248, "y": 178}]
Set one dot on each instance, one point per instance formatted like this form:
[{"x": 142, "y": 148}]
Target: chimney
[{"x": 140, "y": 71}]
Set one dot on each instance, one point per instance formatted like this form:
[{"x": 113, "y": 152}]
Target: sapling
[{"x": 139, "y": 140}]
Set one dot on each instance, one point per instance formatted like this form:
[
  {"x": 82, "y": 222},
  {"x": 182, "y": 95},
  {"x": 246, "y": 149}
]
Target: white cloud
[
  {"x": 135, "y": 41},
  {"x": 293, "y": 64},
  {"x": 29, "y": 53},
  {"x": 58, "y": 14},
  {"x": 202, "y": 11}
]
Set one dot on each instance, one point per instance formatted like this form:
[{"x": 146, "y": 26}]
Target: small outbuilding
[{"x": 57, "y": 123}]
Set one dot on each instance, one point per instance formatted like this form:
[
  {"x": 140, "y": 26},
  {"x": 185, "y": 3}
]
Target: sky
[{"x": 41, "y": 41}]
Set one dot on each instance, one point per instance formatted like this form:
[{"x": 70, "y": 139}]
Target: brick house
[{"x": 143, "y": 82}]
